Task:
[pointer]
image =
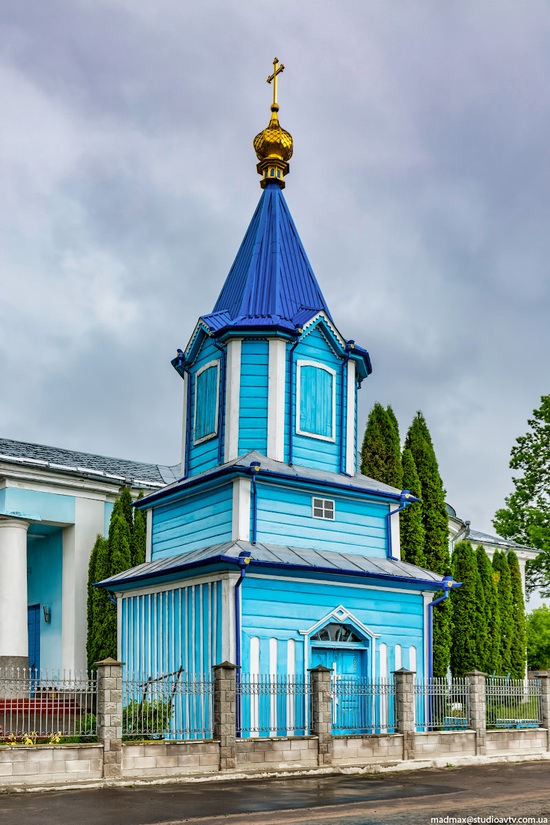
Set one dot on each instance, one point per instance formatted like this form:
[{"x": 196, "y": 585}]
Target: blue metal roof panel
[
  {"x": 271, "y": 276},
  {"x": 278, "y": 556}
]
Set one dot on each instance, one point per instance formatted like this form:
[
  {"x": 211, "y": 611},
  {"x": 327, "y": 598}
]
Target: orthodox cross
[{"x": 277, "y": 69}]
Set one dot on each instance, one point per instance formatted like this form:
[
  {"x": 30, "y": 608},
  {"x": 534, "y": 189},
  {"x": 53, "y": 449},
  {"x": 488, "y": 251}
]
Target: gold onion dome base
[{"x": 273, "y": 147}]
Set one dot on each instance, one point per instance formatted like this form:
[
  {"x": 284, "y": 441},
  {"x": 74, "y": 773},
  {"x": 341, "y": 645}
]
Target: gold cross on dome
[{"x": 277, "y": 69}]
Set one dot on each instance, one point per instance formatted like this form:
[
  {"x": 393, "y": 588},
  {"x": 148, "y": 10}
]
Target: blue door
[
  {"x": 351, "y": 708},
  {"x": 33, "y": 622}
]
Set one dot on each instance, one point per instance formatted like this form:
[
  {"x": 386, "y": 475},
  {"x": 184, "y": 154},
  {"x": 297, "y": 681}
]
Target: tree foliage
[
  {"x": 412, "y": 527},
  {"x": 469, "y": 647},
  {"x": 518, "y": 632},
  {"x": 109, "y": 556},
  {"x": 526, "y": 516},
  {"x": 538, "y": 638},
  {"x": 380, "y": 453},
  {"x": 490, "y": 663},
  {"x": 504, "y": 591}
]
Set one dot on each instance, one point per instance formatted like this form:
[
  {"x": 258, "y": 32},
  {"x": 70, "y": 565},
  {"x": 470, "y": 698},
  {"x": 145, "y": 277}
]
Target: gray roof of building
[
  {"x": 296, "y": 471},
  {"x": 477, "y": 535},
  {"x": 273, "y": 555},
  {"x": 114, "y": 470}
]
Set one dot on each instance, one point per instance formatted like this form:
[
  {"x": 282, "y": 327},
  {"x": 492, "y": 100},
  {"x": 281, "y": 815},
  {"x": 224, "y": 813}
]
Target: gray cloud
[{"x": 419, "y": 185}]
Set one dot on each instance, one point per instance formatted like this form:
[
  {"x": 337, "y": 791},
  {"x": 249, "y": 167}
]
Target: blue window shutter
[
  {"x": 206, "y": 402},
  {"x": 316, "y": 398}
]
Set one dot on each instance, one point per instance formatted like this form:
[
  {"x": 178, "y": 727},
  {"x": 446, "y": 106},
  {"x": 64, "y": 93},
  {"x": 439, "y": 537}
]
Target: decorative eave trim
[{"x": 342, "y": 615}]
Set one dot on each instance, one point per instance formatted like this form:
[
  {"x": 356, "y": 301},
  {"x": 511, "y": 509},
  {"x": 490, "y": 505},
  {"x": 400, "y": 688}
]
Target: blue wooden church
[{"x": 272, "y": 551}]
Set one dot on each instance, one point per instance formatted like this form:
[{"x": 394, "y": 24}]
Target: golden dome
[
  {"x": 274, "y": 145},
  {"x": 274, "y": 141}
]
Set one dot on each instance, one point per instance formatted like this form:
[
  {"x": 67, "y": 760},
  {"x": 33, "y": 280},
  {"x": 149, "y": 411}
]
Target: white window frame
[
  {"x": 214, "y": 363},
  {"x": 322, "y": 506},
  {"x": 299, "y": 365}
]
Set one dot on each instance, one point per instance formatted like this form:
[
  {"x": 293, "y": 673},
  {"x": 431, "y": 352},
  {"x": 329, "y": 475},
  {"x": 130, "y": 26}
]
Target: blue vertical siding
[
  {"x": 253, "y": 396},
  {"x": 309, "y": 451},
  {"x": 193, "y": 522},
  {"x": 285, "y": 517},
  {"x": 169, "y": 629},
  {"x": 204, "y": 455}
]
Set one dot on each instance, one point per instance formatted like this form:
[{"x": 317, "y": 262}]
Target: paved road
[{"x": 411, "y": 798}]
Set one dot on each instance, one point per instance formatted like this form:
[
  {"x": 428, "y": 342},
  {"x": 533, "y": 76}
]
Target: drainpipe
[
  {"x": 254, "y": 470},
  {"x": 448, "y": 584},
  {"x": 343, "y": 392},
  {"x": 404, "y": 498},
  {"x": 221, "y": 408},
  {"x": 244, "y": 561},
  {"x": 292, "y": 394}
]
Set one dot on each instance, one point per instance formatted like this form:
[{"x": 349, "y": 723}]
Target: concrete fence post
[
  {"x": 225, "y": 713},
  {"x": 109, "y": 715},
  {"x": 477, "y": 712},
  {"x": 544, "y": 679},
  {"x": 321, "y": 712},
  {"x": 404, "y": 710}
]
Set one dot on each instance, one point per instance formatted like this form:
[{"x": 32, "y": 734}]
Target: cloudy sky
[{"x": 419, "y": 183}]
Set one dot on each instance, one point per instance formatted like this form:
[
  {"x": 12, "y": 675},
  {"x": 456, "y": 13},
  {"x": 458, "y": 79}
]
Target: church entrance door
[{"x": 350, "y": 708}]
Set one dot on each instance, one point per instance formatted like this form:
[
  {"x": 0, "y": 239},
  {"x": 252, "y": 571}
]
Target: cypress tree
[
  {"x": 504, "y": 590},
  {"x": 412, "y": 528},
  {"x": 434, "y": 519},
  {"x": 95, "y": 605},
  {"x": 465, "y": 650},
  {"x": 139, "y": 536},
  {"x": 125, "y": 502},
  {"x": 518, "y": 646},
  {"x": 380, "y": 453},
  {"x": 490, "y": 664}
]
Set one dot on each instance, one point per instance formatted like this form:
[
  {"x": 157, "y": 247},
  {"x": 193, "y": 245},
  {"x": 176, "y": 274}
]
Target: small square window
[{"x": 323, "y": 508}]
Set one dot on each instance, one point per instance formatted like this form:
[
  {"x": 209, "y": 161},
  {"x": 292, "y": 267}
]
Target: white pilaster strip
[
  {"x": 427, "y": 599},
  {"x": 350, "y": 421},
  {"x": 240, "y": 530},
  {"x": 232, "y": 399},
  {"x": 396, "y": 535},
  {"x": 184, "y": 419},
  {"x": 13, "y": 588},
  {"x": 149, "y": 536},
  {"x": 276, "y": 400}
]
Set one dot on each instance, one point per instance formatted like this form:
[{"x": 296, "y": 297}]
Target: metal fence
[
  {"x": 360, "y": 705},
  {"x": 41, "y": 706},
  {"x": 442, "y": 704},
  {"x": 272, "y": 705},
  {"x": 167, "y": 706},
  {"x": 513, "y": 703}
]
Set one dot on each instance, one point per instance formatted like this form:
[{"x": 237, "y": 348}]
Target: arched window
[
  {"x": 316, "y": 400},
  {"x": 335, "y": 632},
  {"x": 207, "y": 391}
]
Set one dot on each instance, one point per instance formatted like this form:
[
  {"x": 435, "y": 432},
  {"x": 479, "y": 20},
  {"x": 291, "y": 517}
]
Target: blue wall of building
[
  {"x": 285, "y": 517},
  {"x": 192, "y": 523},
  {"x": 47, "y": 506},
  {"x": 253, "y": 396},
  {"x": 307, "y": 450},
  {"x": 204, "y": 455},
  {"x": 45, "y": 564},
  {"x": 281, "y": 608},
  {"x": 180, "y": 627}
]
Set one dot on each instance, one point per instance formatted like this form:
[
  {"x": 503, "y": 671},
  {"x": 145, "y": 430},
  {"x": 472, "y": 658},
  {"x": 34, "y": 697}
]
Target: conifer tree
[
  {"x": 380, "y": 453},
  {"x": 469, "y": 631},
  {"x": 125, "y": 502},
  {"x": 109, "y": 556},
  {"x": 490, "y": 664},
  {"x": 412, "y": 528},
  {"x": 518, "y": 644},
  {"x": 504, "y": 590},
  {"x": 139, "y": 536},
  {"x": 434, "y": 519}
]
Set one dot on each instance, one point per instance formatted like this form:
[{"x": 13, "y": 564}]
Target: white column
[
  {"x": 14, "y": 641},
  {"x": 241, "y": 510},
  {"x": 276, "y": 400},
  {"x": 232, "y": 398},
  {"x": 351, "y": 467}
]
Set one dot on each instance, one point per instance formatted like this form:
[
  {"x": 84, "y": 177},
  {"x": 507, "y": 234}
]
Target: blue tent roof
[{"x": 271, "y": 282}]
